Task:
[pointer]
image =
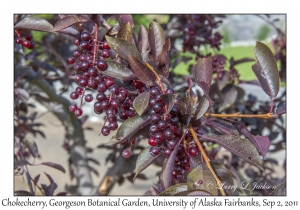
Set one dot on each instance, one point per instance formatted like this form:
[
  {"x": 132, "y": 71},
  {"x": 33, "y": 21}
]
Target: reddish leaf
[
  {"x": 262, "y": 143},
  {"x": 174, "y": 189},
  {"x": 224, "y": 126},
  {"x": 123, "y": 48},
  {"x": 34, "y": 23},
  {"x": 170, "y": 99},
  {"x": 23, "y": 94},
  {"x": 125, "y": 32},
  {"x": 94, "y": 161},
  {"x": 141, "y": 71},
  {"x": 123, "y": 19},
  {"x": 141, "y": 102},
  {"x": 129, "y": 128},
  {"x": 237, "y": 145},
  {"x": 156, "y": 40},
  {"x": 195, "y": 161},
  {"x": 163, "y": 65},
  {"x": 203, "y": 74},
  {"x": 266, "y": 69},
  {"x": 143, "y": 42},
  {"x": 281, "y": 108},
  {"x": 32, "y": 147},
  {"x": 223, "y": 81},
  {"x": 168, "y": 166},
  {"x": 49, "y": 177},
  {"x": 229, "y": 95},
  {"x": 70, "y": 31},
  {"x": 202, "y": 107},
  {"x": 144, "y": 160},
  {"x": 225, "y": 177},
  {"x": 51, "y": 188},
  {"x": 20, "y": 163},
  {"x": 185, "y": 108},
  {"x": 62, "y": 194},
  {"x": 68, "y": 21},
  {"x": 36, "y": 179},
  {"x": 54, "y": 165},
  {"x": 116, "y": 70}
]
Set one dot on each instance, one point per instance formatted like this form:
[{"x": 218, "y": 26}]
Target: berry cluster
[
  {"x": 215, "y": 40},
  {"x": 25, "y": 41}
]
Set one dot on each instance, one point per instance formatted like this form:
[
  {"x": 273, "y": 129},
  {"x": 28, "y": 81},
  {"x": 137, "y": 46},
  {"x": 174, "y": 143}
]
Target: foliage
[{"x": 186, "y": 121}]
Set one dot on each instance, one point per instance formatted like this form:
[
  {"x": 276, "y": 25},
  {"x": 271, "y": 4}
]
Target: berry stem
[
  {"x": 157, "y": 77},
  {"x": 206, "y": 159},
  {"x": 239, "y": 115},
  {"x": 96, "y": 43}
]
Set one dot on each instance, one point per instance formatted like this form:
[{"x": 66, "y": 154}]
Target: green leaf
[
  {"x": 141, "y": 102},
  {"x": 174, "y": 189},
  {"x": 202, "y": 107},
  {"x": 201, "y": 178},
  {"x": 68, "y": 21},
  {"x": 34, "y": 23},
  {"x": 156, "y": 40},
  {"x": 123, "y": 47},
  {"x": 129, "y": 128},
  {"x": 144, "y": 160},
  {"x": 125, "y": 32},
  {"x": 266, "y": 69},
  {"x": 141, "y": 70},
  {"x": 224, "y": 176},
  {"x": 143, "y": 42},
  {"x": 229, "y": 95},
  {"x": 170, "y": 100},
  {"x": 32, "y": 147},
  {"x": 237, "y": 145},
  {"x": 116, "y": 70}
]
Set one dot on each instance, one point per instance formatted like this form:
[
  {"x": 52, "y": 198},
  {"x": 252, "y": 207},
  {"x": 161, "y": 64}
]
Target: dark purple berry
[
  {"x": 78, "y": 112},
  {"x": 102, "y": 87},
  {"x": 114, "y": 89},
  {"x": 76, "y": 42},
  {"x": 123, "y": 115},
  {"x": 76, "y": 53},
  {"x": 93, "y": 71},
  {"x": 159, "y": 137},
  {"x": 126, "y": 153},
  {"x": 155, "y": 118},
  {"x": 100, "y": 97},
  {"x": 168, "y": 133},
  {"x": 158, "y": 107},
  {"x": 26, "y": 43},
  {"x": 84, "y": 66},
  {"x": 105, "y": 53},
  {"x": 114, "y": 103},
  {"x": 154, "y": 151},
  {"x": 71, "y": 60},
  {"x": 105, "y": 45},
  {"x": 154, "y": 91},
  {"x": 72, "y": 107},
  {"x": 79, "y": 90},
  {"x": 153, "y": 129},
  {"x": 152, "y": 142},
  {"x": 83, "y": 82},
  {"x": 84, "y": 45},
  {"x": 85, "y": 36},
  {"x": 19, "y": 40},
  {"x": 88, "y": 98},
  {"x": 109, "y": 82},
  {"x": 101, "y": 65},
  {"x": 74, "y": 95},
  {"x": 97, "y": 106},
  {"x": 162, "y": 125},
  {"x": 121, "y": 97},
  {"x": 113, "y": 126},
  {"x": 167, "y": 153},
  {"x": 130, "y": 113},
  {"x": 169, "y": 91},
  {"x": 28, "y": 37},
  {"x": 193, "y": 151},
  {"x": 104, "y": 104},
  {"x": 105, "y": 130}
]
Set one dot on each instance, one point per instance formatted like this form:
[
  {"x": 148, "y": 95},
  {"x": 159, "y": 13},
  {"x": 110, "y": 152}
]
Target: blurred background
[{"x": 240, "y": 33}]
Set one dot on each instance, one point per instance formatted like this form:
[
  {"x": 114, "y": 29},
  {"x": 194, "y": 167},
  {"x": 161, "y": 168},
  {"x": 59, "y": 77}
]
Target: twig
[
  {"x": 239, "y": 115},
  {"x": 207, "y": 160},
  {"x": 157, "y": 77}
]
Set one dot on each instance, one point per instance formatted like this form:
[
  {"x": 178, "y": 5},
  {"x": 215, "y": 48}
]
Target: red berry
[
  {"x": 105, "y": 45},
  {"x": 105, "y": 130},
  {"x": 79, "y": 90},
  {"x": 88, "y": 98},
  {"x": 26, "y": 43},
  {"x": 86, "y": 36},
  {"x": 105, "y": 53},
  {"x": 126, "y": 153},
  {"x": 28, "y": 37},
  {"x": 152, "y": 142},
  {"x": 78, "y": 112},
  {"x": 76, "y": 42},
  {"x": 102, "y": 65},
  {"x": 71, "y": 60},
  {"x": 193, "y": 151},
  {"x": 154, "y": 151},
  {"x": 18, "y": 40},
  {"x": 74, "y": 95},
  {"x": 72, "y": 107}
]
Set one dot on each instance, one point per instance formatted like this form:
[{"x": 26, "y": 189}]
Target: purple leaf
[
  {"x": 141, "y": 70},
  {"x": 123, "y": 19},
  {"x": 185, "y": 108},
  {"x": 170, "y": 100},
  {"x": 163, "y": 65},
  {"x": 156, "y": 40},
  {"x": 280, "y": 190},
  {"x": 262, "y": 143},
  {"x": 140, "y": 103},
  {"x": 168, "y": 166},
  {"x": 23, "y": 94},
  {"x": 174, "y": 189},
  {"x": 70, "y": 31},
  {"x": 34, "y": 23},
  {"x": 49, "y": 177},
  {"x": 266, "y": 69},
  {"x": 32, "y": 147},
  {"x": 116, "y": 70},
  {"x": 129, "y": 128},
  {"x": 229, "y": 95},
  {"x": 144, "y": 160},
  {"x": 123, "y": 48},
  {"x": 203, "y": 74},
  {"x": 36, "y": 179},
  {"x": 51, "y": 188},
  {"x": 62, "y": 194},
  {"x": 201, "y": 178},
  {"x": 54, "y": 165},
  {"x": 22, "y": 162},
  {"x": 143, "y": 42},
  {"x": 68, "y": 21},
  {"x": 125, "y": 32},
  {"x": 94, "y": 161},
  {"x": 195, "y": 161},
  {"x": 224, "y": 176},
  {"x": 223, "y": 81},
  {"x": 202, "y": 107},
  {"x": 281, "y": 108},
  {"x": 237, "y": 145},
  {"x": 224, "y": 126}
]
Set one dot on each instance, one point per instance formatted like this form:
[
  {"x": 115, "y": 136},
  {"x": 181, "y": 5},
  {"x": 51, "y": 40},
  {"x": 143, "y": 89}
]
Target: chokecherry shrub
[{"x": 124, "y": 71}]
